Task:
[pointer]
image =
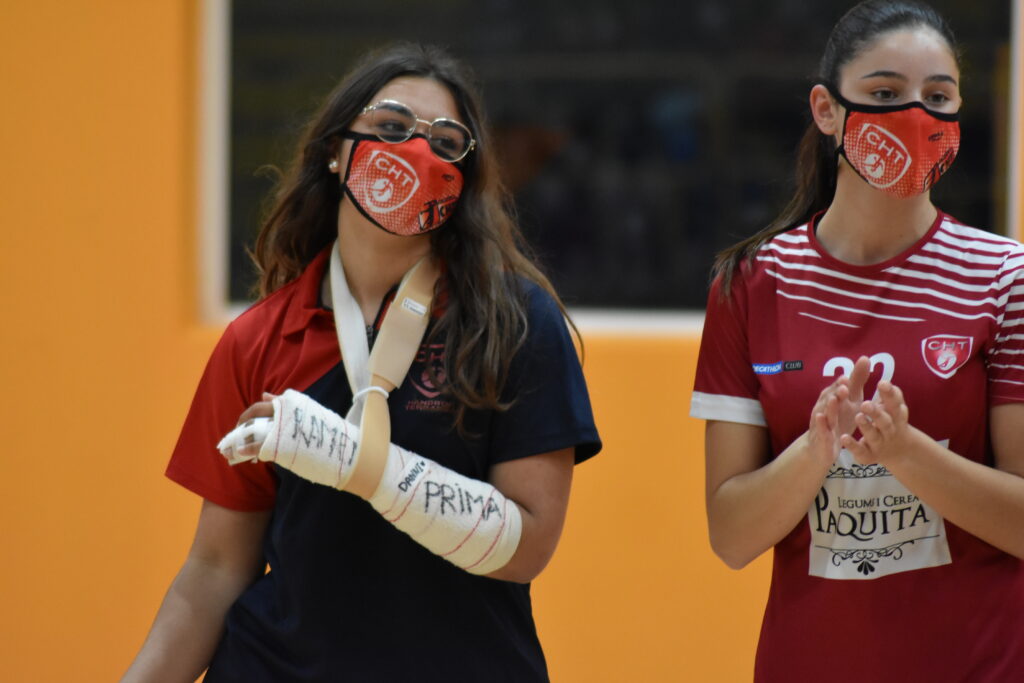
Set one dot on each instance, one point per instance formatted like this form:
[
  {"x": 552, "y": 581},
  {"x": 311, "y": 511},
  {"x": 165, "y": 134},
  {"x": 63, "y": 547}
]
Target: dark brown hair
[
  {"x": 816, "y": 165},
  {"x": 484, "y": 321}
]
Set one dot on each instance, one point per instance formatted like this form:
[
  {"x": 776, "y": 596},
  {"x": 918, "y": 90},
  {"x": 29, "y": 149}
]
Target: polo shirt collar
[{"x": 305, "y": 303}]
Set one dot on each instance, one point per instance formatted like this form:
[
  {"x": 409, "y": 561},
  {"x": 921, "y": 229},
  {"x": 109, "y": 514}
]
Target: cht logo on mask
[
  {"x": 882, "y": 156},
  {"x": 391, "y": 182},
  {"x": 944, "y": 354}
]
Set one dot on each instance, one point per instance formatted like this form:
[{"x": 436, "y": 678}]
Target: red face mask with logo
[
  {"x": 901, "y": 149},
  {"x": 402, "y": 188}
]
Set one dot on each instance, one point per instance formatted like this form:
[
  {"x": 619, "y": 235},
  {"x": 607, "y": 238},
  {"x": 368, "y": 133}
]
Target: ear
[{"x": 827, "y": 113}]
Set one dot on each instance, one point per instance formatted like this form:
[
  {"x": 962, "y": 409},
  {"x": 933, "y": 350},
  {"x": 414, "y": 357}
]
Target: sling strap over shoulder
[{"x": 372, "y": 376}]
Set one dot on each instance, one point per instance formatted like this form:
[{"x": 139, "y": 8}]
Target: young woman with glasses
[
  {"x": 423, "y": 574},
  {"x": 862, "y": 377}
]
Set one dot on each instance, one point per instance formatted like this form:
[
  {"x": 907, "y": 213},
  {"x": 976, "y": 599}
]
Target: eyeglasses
[{"x": 394, "y": 122}]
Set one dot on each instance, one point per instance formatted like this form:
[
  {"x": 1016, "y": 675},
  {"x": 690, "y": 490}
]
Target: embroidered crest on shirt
[
  {"x": 866, "y": 524},
  {"x": 429, "y": 356},
  {"x": 944, "y": 354}
]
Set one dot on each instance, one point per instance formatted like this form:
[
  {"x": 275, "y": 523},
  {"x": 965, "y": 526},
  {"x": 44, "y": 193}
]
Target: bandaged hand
[
  {"x": 243, "y": 443},
  {"x": 302, "y": 436},
  {"x": 466, "y": 521}
]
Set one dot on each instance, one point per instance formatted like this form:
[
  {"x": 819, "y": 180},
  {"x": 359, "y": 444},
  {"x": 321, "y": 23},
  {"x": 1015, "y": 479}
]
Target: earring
[{"x": 333, "y": 166}]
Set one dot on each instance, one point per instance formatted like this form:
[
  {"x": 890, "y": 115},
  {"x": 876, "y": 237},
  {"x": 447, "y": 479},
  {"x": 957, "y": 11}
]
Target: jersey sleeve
[
  {"x": 196, "y": 463},
  {"x": 1006, "y": 358},
  {"x": 550, "y": 403},
  {"x": 726, "y": 387}
]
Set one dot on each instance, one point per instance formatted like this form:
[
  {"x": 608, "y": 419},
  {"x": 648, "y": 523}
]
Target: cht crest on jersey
[
  {"x": 392, "y": 183},
  {"x": 884, "y": 159},
  {"x": 944, "y": 354}
]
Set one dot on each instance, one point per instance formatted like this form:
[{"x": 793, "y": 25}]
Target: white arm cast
[{"x": 466, "y": 521}]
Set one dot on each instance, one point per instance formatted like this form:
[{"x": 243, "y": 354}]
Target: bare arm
[
  {"x": 754, "y": 501},
  {"x": 225, "y": 557},
  {"x": 539, "y": 485},
  {"x": 985, "y": 501}
]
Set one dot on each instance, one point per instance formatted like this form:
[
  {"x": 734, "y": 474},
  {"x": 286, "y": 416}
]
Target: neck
[
  {"x": 374, "y": 260},
  {"x": 864, "y": 226}
]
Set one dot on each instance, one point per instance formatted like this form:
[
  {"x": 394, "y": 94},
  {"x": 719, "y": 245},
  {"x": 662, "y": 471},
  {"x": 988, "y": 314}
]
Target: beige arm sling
[{"x": 398, "y": 340}]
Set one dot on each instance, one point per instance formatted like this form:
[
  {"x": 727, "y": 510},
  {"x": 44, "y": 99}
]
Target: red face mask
[
  {"x": 403, "y": 187},
  {"x": 902, "y": 149}
]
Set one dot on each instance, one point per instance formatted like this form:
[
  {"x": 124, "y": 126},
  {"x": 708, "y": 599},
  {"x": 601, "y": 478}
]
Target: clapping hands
[
  {"x": 883, "y": 427},
  {"x": 872, "y": 431}
]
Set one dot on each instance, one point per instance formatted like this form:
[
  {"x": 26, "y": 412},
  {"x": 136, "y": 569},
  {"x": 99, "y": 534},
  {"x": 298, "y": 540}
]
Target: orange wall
[
  {"x": 634, "y": 592},
  {"x": 100, "y": 352}
]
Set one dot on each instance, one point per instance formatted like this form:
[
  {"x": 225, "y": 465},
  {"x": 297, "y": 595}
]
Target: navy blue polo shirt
[{"x": 347, "y": 596}]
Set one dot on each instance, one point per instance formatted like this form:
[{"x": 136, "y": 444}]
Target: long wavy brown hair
[
  {"x": 816, "y": 162},
  {"x": 484, "y": 322}
]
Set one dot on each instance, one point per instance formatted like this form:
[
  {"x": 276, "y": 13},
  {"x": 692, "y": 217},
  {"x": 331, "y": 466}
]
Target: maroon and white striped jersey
[{"x": 873, "y": 568}]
